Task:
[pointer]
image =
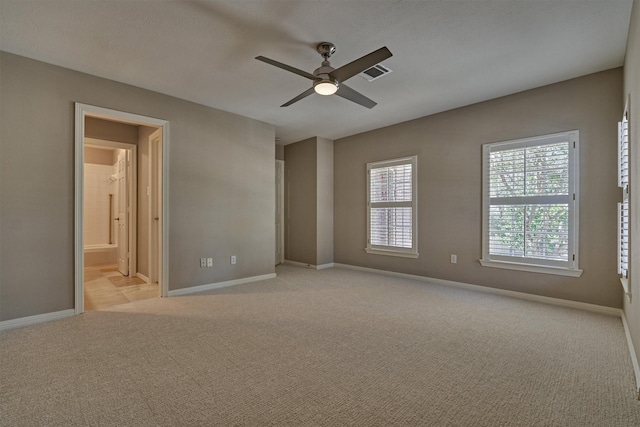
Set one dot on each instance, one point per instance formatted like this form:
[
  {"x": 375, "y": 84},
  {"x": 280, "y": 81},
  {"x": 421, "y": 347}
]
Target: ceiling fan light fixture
[{"x": 326, "y": 87}]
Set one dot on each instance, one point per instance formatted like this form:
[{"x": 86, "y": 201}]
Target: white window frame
[
  {"x": 623, "y": 214},
  {"x": 568, "y": 268},
  {"x": 392, "y": 250}
]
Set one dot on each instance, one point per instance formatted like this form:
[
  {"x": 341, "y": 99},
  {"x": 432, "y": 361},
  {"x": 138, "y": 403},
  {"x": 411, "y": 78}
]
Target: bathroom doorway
[
  {"x": 121, "y": 206},
  {"x": 110, "y": 218}
]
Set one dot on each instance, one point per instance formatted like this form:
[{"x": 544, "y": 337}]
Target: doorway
[
  {"x": 110, "y": 219},
  {"x": 122, "y": 230}
]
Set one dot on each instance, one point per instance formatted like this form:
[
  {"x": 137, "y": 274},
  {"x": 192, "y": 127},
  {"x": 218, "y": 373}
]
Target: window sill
[
  {"x": 559, "y": 271},
  {"x": 391, "y": 253},
  {"x": 625, "y": 284}
]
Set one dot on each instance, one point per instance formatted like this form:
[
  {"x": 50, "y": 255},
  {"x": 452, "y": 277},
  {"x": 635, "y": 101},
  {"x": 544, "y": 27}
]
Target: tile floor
[{"x": 105, "y": 287}]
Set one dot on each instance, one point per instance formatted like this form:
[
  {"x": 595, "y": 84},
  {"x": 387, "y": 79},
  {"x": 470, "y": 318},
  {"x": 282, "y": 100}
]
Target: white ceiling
[{"x": 446, "y": 53}]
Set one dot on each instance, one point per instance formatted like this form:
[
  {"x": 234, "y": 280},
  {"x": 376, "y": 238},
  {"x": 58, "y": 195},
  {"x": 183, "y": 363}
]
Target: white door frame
[
  {"x": 85, "y": 110},
  {"x": 132, "y": 184},
  {"x": 280, "y": 207}
]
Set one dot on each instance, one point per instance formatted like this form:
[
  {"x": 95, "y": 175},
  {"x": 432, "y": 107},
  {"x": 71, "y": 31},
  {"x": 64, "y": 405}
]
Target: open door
[
  {"x": 155, "y": 205},
  {"x": 123, "y": 212}
]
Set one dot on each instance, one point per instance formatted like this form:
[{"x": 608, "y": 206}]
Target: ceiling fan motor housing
[{"x": 324, "y": 72}]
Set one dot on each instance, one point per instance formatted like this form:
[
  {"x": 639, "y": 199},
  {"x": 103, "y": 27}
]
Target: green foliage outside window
[{"x": 529, "y": 220}]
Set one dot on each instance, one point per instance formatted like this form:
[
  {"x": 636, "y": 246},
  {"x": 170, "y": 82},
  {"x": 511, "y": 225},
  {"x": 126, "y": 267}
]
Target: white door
[
  {"x": 279, "y": 212},
  {"x": 155, "y": 205},
  {"x": 123, "y": 212}
]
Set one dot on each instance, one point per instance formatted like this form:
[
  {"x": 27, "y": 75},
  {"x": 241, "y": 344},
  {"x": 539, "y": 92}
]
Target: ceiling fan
[{"x": 328, "y": 80}]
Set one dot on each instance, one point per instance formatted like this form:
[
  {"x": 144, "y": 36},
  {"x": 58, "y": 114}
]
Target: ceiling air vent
[{"x": 375, "y": 72}]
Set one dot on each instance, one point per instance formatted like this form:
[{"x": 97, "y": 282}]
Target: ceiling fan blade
[
  {"x": 359, "y": 65},
  {"x": 299, "y": 97},
  {"x": 355, "y": 96},
  {"x": 287, "y": 67}
]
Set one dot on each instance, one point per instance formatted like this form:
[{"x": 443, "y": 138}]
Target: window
[
  {"x": 392, "y": 207},
  {"x": 530, "y": 204},
  {"x": 623, "y": 207}
]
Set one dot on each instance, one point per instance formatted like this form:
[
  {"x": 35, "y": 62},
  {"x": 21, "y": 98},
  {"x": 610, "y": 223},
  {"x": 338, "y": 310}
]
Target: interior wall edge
[{"x": 632, "y": 352}]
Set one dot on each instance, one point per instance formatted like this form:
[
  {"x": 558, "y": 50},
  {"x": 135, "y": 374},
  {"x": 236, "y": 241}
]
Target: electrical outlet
[
  {"x": 454, "y": 258},
  {"x": 233, "y": 259},
  {"x": 209, "y": 262},
  {"x": 203, "y": 262}
]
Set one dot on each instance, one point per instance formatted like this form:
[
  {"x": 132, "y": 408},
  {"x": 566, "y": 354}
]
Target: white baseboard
[
  {"x": 38, "y": 318},
  {"x": 299, "y": 264},
  {"x": 210, "y": 286},
  {"x": 538, "y": 298},
  {"x": 632, "y": 351},
  {"x": 143, "y": 277},
  {"x": 314, "y": 267}
]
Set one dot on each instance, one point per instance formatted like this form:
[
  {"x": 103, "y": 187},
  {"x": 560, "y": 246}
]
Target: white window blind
[
  {"x": 530, "y": 202},
  {"x": 623, "y": 153},
  {"x": 391, "y": 206},
  {"x": 623, "y": 207},
  {"x": 623, "y": 239}
]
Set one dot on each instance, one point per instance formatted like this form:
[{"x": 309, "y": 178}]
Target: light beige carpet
[{"x": 326, "y": 348}]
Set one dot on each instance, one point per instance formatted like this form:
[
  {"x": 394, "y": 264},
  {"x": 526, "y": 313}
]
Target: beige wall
[
  {"x": 110, "y": 131},
  {"x": 309, "y": 201},
  {"x": 632, "y": 87},
  {"x": 324, "y": 200},
  {"x": 97, "y": 156},
  {"x": 300, "y": 183},
  {"x": 216, "y": 209},
  {"x": 448, "y": 146}
]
